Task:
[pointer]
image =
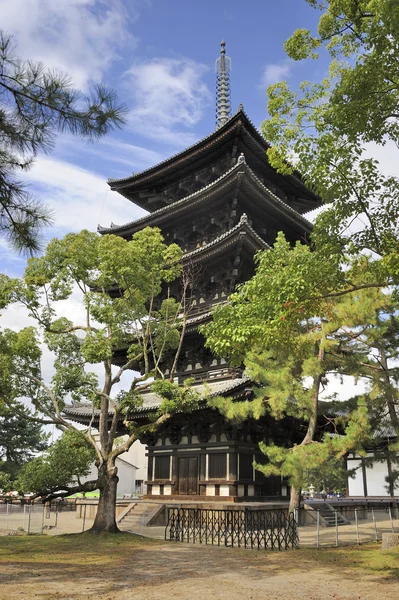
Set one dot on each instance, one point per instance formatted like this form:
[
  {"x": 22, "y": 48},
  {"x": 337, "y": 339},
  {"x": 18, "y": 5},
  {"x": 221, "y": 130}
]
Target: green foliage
[
  {"x": 322, "y": 130},
  {"x": 65, "y": 461},
  {"x": 361, "y": 38},
  {"x": 175, "y": 397},
  {"x": 36, "y": 104},
  {"x": 20, "y": 438},
  {"x": 121, "y": 291},
  {"x": 6, "y": 483},
  {"x": 293, "y": 328},
  {"x": 288, "y": 288},
  {"x": 323, "y": 127}
]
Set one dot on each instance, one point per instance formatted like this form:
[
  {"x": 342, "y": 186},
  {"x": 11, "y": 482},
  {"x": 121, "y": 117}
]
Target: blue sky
[{"x": 159, "y": 55}]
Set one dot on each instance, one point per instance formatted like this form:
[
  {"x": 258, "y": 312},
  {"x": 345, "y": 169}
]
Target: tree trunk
[
  {"x": 105, "y": 520},
  {"x": 295, "y": 498},
  {"x": 295, "y": 495},
  {"x": 390, "y": 390}
]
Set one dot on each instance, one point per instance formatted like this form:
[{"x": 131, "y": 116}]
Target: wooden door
[{"x": 188, "y": 476}]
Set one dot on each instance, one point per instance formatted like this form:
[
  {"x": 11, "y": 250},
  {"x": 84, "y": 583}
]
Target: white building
[
  {"x": 374, "y": 470},
  {"x": 132, "y": 471}
]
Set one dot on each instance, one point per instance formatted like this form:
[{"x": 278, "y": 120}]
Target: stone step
[
  {"x": 133, "y": 519},
  {"x": 328, "y": 516},
  {"x": 138, "y": 515}
]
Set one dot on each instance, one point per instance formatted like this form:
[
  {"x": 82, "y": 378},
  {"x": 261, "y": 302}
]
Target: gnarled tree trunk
[
  {"x": 105, "y": 520},
  {"x": 295, "y": 497}
]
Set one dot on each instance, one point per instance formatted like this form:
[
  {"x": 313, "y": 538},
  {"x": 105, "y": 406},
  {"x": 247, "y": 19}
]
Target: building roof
[
  {"x": 83, "y": 412},
  {"x": 242, "y": 232},
  {"x": 237, "y": 129},
  {"x": 240, "y": 174}
]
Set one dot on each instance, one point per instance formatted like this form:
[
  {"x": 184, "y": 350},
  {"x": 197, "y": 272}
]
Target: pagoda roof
[
  {"x": 237, "y": 127},
  {"x": 240, "y": 171},
  {"x": 242, "y": 232},
  {"x": 84, "y": 412}
]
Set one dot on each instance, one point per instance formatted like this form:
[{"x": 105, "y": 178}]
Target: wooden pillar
[
  {"x": 202, "y": 472},
  {"x": 232, "y": 474},
  {"x": 174, "y": 474}
]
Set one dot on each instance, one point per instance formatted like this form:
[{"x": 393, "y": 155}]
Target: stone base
[{"x": 389, "y": 541}]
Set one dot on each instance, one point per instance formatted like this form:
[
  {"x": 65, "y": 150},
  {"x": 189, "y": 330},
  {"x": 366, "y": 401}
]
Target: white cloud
[
  {"x": 122, "y": 153},
  {"x": 79, "y": 198},
  {"x": 272, "y": 73},
  {"x": 79, "y": 37},
  {"x": 170, "y": 99}
]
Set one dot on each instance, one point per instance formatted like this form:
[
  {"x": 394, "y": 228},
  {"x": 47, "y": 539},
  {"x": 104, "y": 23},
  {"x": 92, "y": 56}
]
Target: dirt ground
[{"x": 134, "y": 569}]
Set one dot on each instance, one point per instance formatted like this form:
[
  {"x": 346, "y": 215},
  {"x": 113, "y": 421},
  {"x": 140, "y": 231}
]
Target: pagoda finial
[{"x": 223, "y": 100}]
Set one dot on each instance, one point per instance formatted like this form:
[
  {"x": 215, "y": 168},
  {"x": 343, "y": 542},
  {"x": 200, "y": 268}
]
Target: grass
[
  {"x": 75, "y": 548},
  {"x": 108, "y": 549},
  {"x": 367, "y": 559}
]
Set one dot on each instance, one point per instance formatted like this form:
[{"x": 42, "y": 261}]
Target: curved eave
[
  {"x": 84, "y": 414},
  {"x": 174, "y": 163},
  {"x": 241, "y": 233},
  {"x": 217, "y": 187},
  {"x": 237, "y": 124}
]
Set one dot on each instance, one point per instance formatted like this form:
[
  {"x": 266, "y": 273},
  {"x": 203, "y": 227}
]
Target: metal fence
[
  {"x": 363, "y": 525},
  {"x": 259, "y": 529},
  {"x": 38, "y": 518}
]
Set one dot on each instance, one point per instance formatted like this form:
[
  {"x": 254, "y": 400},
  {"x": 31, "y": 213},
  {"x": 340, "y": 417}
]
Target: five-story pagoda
[{"x": 221, "y": 202}]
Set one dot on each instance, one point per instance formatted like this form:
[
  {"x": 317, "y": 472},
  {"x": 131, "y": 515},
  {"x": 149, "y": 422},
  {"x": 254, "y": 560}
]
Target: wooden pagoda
[{"x": 221, "y": 202}]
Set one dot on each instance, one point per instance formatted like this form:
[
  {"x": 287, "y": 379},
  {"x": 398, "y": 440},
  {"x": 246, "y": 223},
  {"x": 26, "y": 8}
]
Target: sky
[{"x": 159, "y": 56}]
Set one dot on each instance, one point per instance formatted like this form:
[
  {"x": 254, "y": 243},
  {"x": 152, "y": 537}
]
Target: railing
[
  {"x": 363, "y": 525},
  {"x": 259, "y": 529},
  {"x": 38, "y": 517}
]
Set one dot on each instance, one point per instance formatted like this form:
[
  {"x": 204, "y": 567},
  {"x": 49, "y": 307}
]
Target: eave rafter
[
  {"x": 237, "y": 128},
  {"x": 236, "y": 176}
]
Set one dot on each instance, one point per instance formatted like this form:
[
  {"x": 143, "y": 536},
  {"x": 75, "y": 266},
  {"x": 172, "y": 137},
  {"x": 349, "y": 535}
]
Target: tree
[
  {"x": 291, "y": 332},
  {"x": 123, "y": 288},
  {"x": 20, "y": 437},
  {"x": 35, "y": 104},
  {"x": 377, "y": 350},
  {"x": 59, "y": 468},
  {"x": 324, "y": 126}
]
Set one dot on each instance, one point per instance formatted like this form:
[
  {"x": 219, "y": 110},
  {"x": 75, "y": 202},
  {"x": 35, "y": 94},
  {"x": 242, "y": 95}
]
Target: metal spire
[{"x": 223, "y": 100}]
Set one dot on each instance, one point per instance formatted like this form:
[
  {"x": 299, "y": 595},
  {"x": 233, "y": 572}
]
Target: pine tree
[
  {"x": 20, "y": 437},
  {"x": 293, "y": 329},
  {"x": 36, "y": 103}
]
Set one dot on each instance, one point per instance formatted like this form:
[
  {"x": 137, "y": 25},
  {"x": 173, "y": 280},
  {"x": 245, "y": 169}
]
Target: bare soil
[{"x": 124, "y": 567}]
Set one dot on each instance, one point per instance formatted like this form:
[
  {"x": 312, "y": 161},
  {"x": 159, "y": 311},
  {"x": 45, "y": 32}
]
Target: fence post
[
  {"x": 24, "y": 517},
  {"x": 375, "y": 525},
  {"x": 336, "y": 528},
  {"x": 357, "y": 527},
  {"x": 7, "y": 507},
  {"x": 43, "y": 518},
  {"x": 318, "y": 529},
  {"x": 390, "y": 518},
  {"x": 29, "y": 513},
  {"x": 84, "y": 518}
]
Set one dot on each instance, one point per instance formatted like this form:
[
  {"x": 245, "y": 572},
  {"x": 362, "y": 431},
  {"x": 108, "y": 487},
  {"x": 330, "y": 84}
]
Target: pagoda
[{"x": 221, "y": 202}]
